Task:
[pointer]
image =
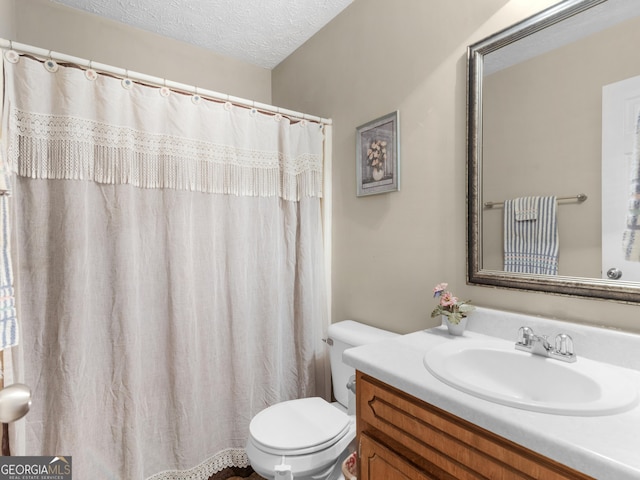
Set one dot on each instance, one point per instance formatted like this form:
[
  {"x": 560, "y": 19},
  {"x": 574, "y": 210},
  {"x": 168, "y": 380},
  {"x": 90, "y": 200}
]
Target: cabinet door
[
  {"x": 377, "y": 462},
  {"x": 439, "y": 444}
]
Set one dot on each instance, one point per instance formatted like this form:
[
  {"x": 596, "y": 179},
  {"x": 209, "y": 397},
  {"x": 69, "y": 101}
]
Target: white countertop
[{"x": 605, "y": 447}]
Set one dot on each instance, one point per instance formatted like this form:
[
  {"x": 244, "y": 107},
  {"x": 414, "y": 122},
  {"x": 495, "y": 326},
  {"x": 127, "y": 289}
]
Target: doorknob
[{"x": 614, "y": 273}]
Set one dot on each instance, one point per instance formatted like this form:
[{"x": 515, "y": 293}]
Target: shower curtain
[{"x": 168, "y": 269}]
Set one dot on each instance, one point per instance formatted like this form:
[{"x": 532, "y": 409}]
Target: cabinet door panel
[{"x": 379, "y": 463}]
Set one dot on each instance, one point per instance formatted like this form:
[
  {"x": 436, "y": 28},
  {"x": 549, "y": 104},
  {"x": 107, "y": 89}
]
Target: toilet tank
[{"x": 343, "y": 335}]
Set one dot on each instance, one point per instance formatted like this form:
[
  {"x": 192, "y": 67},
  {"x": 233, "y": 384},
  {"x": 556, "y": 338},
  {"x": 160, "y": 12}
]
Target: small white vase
[
  {"x": 378, "y": 173},
  {"x": 455, "y": 329}
]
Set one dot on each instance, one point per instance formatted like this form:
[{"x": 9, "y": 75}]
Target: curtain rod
[
  {"x": 157, "y": 81},
  {"x": 581, "y": 197}
]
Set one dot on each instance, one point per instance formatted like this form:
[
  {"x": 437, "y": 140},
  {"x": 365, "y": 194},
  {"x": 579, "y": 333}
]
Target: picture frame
[{"x": 378, "y": 155}]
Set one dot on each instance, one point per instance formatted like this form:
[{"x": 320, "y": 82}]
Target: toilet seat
[{"x": 299, "y": 427}]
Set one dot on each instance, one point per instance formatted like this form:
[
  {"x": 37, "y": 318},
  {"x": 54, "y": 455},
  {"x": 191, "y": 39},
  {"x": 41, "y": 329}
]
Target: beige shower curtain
[{"x": 169, "y": 270}]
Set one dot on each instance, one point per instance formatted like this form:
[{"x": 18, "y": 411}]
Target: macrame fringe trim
[
  {"x": 232, "y": 457},
  {"x": 66, "y": 148}
]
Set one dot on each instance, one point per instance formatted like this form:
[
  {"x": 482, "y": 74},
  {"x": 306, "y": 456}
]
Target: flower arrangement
[
  {"x": 449, "y": 305},
  {"x": 377, "y": 154}
]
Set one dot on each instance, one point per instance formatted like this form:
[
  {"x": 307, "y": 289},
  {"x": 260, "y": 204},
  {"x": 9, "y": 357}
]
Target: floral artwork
[{"x": 378, "y": 156}]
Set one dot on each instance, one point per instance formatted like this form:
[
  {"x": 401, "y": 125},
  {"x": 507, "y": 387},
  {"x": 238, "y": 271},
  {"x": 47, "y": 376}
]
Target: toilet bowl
[
  {"x": 305, "y": 437},
  {"x": 308, "y": 438}
]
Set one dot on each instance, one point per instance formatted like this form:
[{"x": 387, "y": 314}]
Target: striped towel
[
  {"x": 531, "y": 245},
  {"x": 526, "y": 208},
  {"x": 631, "y": 236},
  {"x": 8, "y": 321}
]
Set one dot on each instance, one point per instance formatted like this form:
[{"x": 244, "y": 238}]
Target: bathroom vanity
[
  {"x": 402, "y": 437},
  {"x": 411, "y": 425}
]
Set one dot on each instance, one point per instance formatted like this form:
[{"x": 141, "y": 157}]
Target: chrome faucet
[{"x": 539, "y": 345}]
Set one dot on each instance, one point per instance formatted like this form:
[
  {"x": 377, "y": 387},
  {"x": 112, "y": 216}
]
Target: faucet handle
[
  {"x": 525, "y": 336},
  {"x": 564, "y": 344}
]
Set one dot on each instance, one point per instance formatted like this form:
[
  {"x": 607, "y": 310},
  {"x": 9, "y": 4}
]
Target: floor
[{"x": 236, "y": 473}]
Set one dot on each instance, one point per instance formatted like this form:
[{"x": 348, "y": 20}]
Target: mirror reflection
[{"x": 555, "y": 129}]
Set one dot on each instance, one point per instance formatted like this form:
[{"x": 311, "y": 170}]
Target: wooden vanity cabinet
[{"x": 404, "y": 438}]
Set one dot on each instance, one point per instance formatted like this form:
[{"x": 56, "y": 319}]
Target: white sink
[{"x": 496, "y": 371}]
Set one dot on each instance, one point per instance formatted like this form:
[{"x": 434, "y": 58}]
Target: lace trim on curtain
[
  {"x": 61, "y": 147},
  {"x": 232, "y": 457}
]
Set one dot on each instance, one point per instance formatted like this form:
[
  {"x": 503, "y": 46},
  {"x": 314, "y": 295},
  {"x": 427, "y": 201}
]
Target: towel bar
[{"x": 581, "y": 197}]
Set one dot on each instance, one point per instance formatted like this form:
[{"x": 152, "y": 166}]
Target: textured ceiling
[{"x": 260, "y": 32}]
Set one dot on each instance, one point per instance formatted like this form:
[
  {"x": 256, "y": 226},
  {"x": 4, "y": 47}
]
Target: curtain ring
[
  {"x": 127, "y": 84},
  {"x": 90, "y": 73},
  {"x": 164, "y": 90},
  {"x": 196, "y": 98},
  {"x": 11, "y": 55},
  {"x": 51, "y": 64},
  {"x": 253, "y": 111}
]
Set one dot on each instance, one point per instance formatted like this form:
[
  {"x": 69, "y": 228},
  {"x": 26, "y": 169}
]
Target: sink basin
[{"x": 494, "y": 370}]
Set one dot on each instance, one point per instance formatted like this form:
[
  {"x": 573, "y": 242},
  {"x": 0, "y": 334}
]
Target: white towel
[{"x": 531, "y": 245}]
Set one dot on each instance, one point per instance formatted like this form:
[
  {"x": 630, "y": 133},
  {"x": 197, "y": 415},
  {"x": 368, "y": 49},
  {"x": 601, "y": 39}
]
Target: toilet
[{"x": 308, "y": 438}]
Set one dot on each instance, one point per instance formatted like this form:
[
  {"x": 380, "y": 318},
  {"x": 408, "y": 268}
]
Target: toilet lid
[{"x": 303, "y": 424}]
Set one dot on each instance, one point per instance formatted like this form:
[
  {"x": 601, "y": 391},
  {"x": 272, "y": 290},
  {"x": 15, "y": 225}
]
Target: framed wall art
[{"x": 378, "y": 155}]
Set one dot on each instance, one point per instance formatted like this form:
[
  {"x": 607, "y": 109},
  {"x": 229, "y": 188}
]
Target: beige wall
[
  {"x": 55, "y": 27},
  {"x": 542, "y": 134},
  {"x": 390, "y": 250},
  {"x": 7, "y": 16},
  {"x": 376, "y": 57}
]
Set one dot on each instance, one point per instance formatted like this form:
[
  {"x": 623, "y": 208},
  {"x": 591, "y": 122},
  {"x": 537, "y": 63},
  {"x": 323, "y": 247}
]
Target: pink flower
[
  {"x": 438, "y": 289},
  {"x": 449, "y": 306},
  {"x": 447, "y": 299}
]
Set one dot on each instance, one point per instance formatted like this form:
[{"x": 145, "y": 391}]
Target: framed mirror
[{"x": 553, "y": 115}]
